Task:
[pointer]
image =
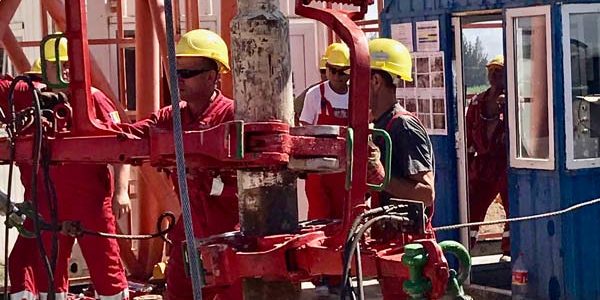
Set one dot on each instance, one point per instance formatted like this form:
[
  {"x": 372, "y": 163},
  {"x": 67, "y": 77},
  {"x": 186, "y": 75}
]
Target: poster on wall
[
  {"x": 403, "y": 33},
  {"x": 425, "y": 96},
  {"x": 428, "y": 36}
]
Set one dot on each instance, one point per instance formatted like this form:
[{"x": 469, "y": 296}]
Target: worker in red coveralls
[
  {"x": 327, "y": 104},
  {"x": 412, "y": 169},
  {"x": 84, "y": 193},
  {"x": 486, "y": 147},
  {"x": 299, "y": 100},
  {"x": 201, "y": 56},
  {"x": 22, "y": 258}
]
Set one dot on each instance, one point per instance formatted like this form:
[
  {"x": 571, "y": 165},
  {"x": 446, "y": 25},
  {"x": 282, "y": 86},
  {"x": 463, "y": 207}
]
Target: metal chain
[
  {"x": 520, "y": 219},
  {"x": 179, "y": 155}
]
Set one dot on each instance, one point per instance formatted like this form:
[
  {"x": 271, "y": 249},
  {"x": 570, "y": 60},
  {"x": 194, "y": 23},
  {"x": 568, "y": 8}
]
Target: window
[
  {"x": 581, "y": 45},
  {"x": 529, "y": 68}
]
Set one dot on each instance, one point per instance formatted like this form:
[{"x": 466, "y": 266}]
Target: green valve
[
  {"x": 454, "y": 288},
  {"x": 415, "y": 258}
]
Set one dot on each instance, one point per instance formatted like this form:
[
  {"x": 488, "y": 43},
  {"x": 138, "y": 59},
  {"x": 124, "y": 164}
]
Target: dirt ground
[{"x": 494, "y": 212}]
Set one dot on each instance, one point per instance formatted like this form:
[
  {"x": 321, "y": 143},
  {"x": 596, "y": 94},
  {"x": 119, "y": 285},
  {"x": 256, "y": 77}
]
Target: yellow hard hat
[
  {"x": 498, "y": 60},
  {"x": 50, "y": 49},
  {"x": 338, "y": 55},
  {"x": 36, "y": 68},
  {"x": 204, "y": 43},
  {"x": 391, "y": 56},
  {"x": 323, "y": 63}
]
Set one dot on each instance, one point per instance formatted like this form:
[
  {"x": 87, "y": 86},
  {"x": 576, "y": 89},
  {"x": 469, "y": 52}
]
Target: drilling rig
[{"x": 272, "y": 252}]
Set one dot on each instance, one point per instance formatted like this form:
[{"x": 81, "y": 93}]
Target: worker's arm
[
  {"x": 121, "y": 202},
  {"x": 412, "y": 162},
  {"x": 419, "y": 187},
  {"x": 141, "y": 128},
  {"x": 311, "y": 107}
]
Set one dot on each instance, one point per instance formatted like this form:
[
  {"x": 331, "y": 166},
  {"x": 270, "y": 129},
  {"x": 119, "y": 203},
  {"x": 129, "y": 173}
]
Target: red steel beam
[
  {"x": 43, "y": 18},
  {"x": 57, "y": 12},
  {"x": 122, "y": 41},
  {"x": 176, "y": 17},
  {"x": 192, "y": 20},
  {"x": 16, "y": 54},
  {"x": 121, "y": 55},
  {"x": 7, "y": 11},
  {"x": 79, "y": 66},
  {"x": 147, "y": 82}
]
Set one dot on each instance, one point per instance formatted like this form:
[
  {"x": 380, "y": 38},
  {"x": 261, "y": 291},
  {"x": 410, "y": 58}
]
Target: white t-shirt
[{"x": 312, "y": 102}]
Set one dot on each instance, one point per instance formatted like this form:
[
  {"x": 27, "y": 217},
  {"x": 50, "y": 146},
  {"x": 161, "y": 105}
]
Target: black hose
[
  {"x": 160, "y": 233},
  {"x": 351, "y": 247},
  {"x": 53, "y": 206},
  {"x": 359, "y": 219},
  {"x": 359, "y": 278},
  {"x": 344, "y": 290},
  {"x": 366, "y": 214}
]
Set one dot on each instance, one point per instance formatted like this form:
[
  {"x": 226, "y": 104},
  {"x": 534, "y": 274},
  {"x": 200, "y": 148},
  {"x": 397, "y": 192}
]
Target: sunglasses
[
  {"x": 341, "y": 72},
  {"x": 187, "y": 73}
]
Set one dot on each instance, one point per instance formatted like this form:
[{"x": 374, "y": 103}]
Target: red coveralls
[
  {"x": 84, "y": 193},
  {"x": 392, "y": 287},
  {"x": 326, "y": 193},
  {"x": 22, "y": 258},
  {"x": 488, "y": 166},
  {"x": 211, "y": 215}
]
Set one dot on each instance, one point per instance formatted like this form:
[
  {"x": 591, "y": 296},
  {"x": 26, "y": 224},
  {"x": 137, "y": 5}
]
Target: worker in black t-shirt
[{"x": 412, "y": 169}]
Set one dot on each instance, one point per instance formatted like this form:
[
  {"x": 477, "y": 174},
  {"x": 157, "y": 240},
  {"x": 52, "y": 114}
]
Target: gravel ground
[{"x": 494, "y": 212}]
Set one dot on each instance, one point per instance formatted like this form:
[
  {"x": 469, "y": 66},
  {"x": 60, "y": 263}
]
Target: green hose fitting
[
  {"x": 415, "y": 258},
  {"x": 454, "y": 289}
]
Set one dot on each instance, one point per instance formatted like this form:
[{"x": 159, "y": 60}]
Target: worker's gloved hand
[{"x": 375, "y": 170}]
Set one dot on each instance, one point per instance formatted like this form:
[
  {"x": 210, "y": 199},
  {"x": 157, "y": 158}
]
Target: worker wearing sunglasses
[
  {"x": 327, "y": 104},
  {"x": 189, "y": 73},
  {"x": 201, "y": 57}
]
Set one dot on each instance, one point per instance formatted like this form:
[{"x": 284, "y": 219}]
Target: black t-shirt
[{"x": 412, "y": 152}]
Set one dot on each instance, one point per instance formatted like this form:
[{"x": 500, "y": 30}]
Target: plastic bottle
[{"x": 520, "y": 281}]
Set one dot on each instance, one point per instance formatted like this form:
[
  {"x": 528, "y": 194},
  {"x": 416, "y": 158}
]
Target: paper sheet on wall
[
  {"x": 425, "y": 96},
  {"x": 428, "y": 36},
  {"x": 403, "y": 33}
]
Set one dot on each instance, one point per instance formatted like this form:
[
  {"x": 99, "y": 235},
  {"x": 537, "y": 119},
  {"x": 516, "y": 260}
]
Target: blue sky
[{"x": 491, "y": 39}]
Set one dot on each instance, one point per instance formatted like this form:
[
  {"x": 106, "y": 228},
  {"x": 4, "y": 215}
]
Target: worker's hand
[
  {"x": 121, "y": 204},
  {"x": 375, "y": 170}
]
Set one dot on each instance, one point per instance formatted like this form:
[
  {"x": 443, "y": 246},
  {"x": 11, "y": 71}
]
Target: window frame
[
  {"x": 567, "y": 11},
  {"x": 519, "y": 162}
]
